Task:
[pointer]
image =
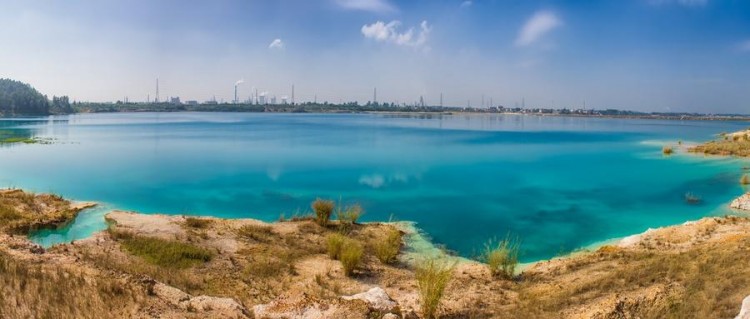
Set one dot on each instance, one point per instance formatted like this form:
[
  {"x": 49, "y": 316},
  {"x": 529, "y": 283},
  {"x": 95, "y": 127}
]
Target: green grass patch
[{"x": 165, "y": 253}]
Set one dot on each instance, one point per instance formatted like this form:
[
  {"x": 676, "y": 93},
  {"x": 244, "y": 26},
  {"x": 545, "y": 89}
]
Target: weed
[
  {"x": 502, "y": 256},
  {"x": 433, "y": 276},
  {"x": 323, "y": 210},
  {"x": 387, "y": 250},
  {"x": 351, "y": 256}
]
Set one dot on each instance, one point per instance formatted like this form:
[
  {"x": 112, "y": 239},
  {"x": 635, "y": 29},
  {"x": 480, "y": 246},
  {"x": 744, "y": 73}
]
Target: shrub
[
  {"x": 387, "y": 250},
  {"x": 351, "y": 256},
  {"x": 502, "y": 257},
  {"x": 334, "y": 243},
  {"x": 667, "y": 150},
  {"x": 323, "y": 210},
  {"x": 197, "y": 222},
  {"x": 348, "y": 217},
  {"x": 165, "y": 253},
  {"x": 744, "y": 180},
  {"x": 433, "y": 276}
]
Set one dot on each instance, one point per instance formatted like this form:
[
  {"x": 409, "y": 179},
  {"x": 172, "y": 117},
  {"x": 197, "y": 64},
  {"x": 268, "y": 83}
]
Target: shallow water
[{"x": 557, "y": 183}]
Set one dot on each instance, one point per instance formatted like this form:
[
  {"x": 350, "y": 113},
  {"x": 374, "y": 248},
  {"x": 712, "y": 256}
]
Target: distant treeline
[{"x": 18, "y": 98}]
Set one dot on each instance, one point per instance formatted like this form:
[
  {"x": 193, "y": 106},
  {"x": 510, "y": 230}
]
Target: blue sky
[{"x": 654, "y": 55}]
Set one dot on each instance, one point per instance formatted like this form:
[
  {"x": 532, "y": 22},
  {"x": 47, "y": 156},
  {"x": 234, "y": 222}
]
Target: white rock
[
  {"x": 745, "y": 309},
  {"x": 742, "y": 202},
  {"x": 376, "y": 298}
]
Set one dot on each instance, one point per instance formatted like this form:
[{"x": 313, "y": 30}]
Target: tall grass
[
  {"x": 323, "y": 210},
  {"x": 387, "y": 250},
  {"x": 502, "y": 256},
  {"x": 351, "y": 256},
  {"x": 433, "y": 276},
  {"x": 334, "y": 242},
  {"x": 348, "y": 217}
]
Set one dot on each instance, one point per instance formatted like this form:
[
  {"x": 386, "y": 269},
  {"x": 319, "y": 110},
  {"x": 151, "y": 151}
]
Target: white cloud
[
  {"x": 466, "y": 4},
  {"x": 537, "y": 26},
  {"x": 380, "y": 6},
  {"x": 374, "y": 181},
  {"x": 276, "y": 44},
  {"x": 389, "y": 32}
]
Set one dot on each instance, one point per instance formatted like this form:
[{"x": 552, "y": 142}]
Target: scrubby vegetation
[
  {"x": 323, "y": 210},
  {"x": 387, "y": 250},
  {"x": 351, "y": 256},
  {"x": 699, "y": 283},
  {"x": 33, "y": 290},
  {"x": 433, "y": 276},
  {"x": 667, "y": 150},
  {"x": 348, "y": 217},
  {"x": 739, "y": 145},
  {"x": 260, "y": 233},
  {"x": 161, "y": 252},
  {"x": 198, "y": 223},
  {"x": 334, "y": 243},
  {"x": 502, "y": 256},
  {"x": 22, "y": 211}
]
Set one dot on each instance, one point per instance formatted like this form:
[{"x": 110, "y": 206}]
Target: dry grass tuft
[
  {"x": 334, "y": 243},
  {"x": 387, "y": 250},
  {"x": 323, "y": 210},
  {"x": 502, "y": 257},
  {"x": 351, "y": 256},
  {"x": 433, "y": 276}
]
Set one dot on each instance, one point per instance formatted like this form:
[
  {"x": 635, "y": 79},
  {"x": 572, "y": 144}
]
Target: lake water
[{"x": 557, "y": 183}]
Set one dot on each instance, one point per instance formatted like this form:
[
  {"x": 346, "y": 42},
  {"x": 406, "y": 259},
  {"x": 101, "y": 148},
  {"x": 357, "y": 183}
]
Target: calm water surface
[{"x": 557, "y": 183}]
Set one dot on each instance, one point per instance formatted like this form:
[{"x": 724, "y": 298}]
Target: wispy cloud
[
  {"x": 379, "y": 6},
  {"x": 466, "y": 4},
  {"x": 276, "y": 44},
  {"x": 541, "y": 23},
  {"x": 687, "y": 3},
  {"x": 389, "y": 32}
]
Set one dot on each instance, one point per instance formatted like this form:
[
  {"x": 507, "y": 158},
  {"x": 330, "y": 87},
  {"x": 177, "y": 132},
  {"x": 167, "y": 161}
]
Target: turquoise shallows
[{"x": 558, "y": 183}]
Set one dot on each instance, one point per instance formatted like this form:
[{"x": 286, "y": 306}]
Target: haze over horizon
[{"x": 644, "y": 55}]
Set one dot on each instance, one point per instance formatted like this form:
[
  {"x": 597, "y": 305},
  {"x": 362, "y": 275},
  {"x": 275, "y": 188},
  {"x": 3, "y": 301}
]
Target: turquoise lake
[{"x": 557, "y": 183}]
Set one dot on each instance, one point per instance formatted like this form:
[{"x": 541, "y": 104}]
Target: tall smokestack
[{"x": 236, "y": 84}]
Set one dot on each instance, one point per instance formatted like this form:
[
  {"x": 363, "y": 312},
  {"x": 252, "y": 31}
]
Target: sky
[{"x": 644, "y": 55}]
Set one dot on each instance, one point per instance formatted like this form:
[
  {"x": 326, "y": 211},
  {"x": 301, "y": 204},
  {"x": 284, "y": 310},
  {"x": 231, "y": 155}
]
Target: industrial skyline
[{"x": 665, "y": 55}]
